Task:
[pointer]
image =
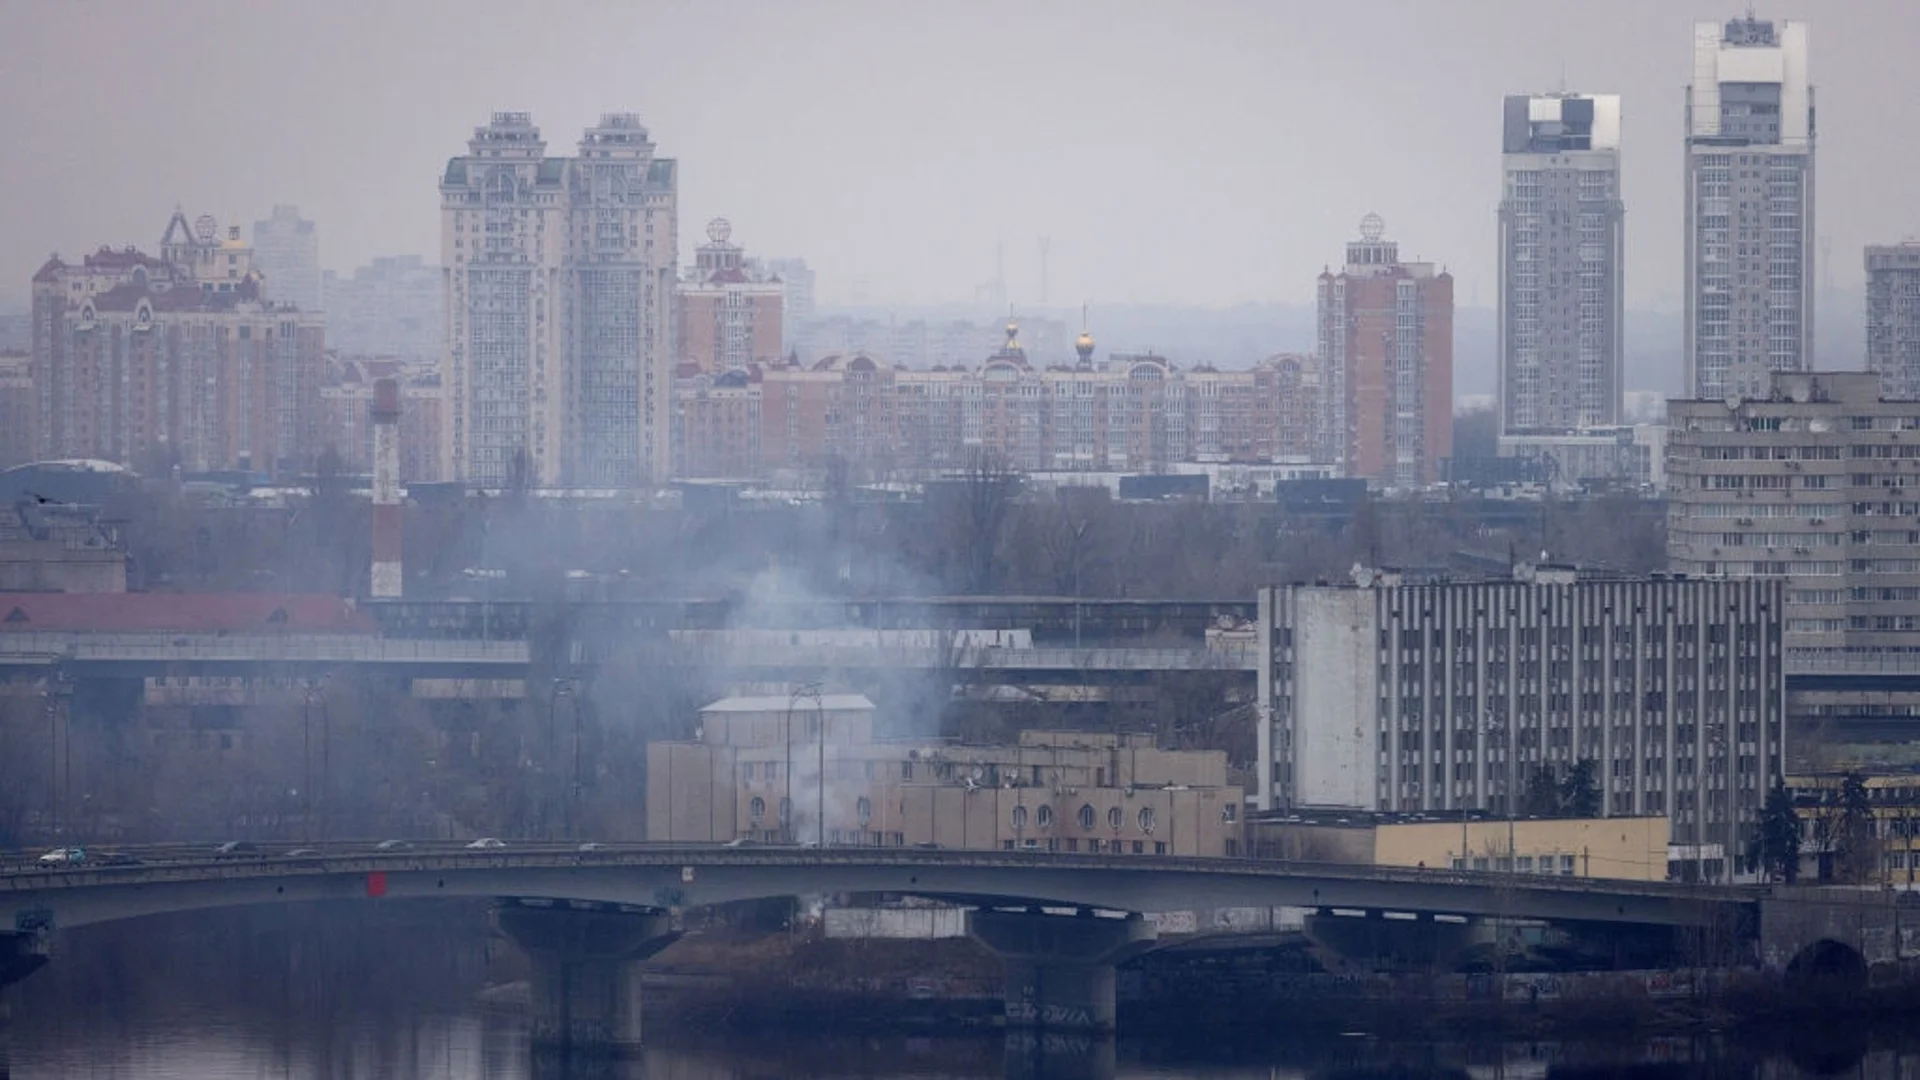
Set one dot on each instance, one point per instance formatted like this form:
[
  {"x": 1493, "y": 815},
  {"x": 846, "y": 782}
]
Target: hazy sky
[{"x": 1182, "y": 152}]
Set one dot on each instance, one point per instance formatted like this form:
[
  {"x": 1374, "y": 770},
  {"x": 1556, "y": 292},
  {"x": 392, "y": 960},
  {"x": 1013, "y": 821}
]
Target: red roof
[
  {"x": 192, "y": 613},
  {"x": 729, "y": 277}
]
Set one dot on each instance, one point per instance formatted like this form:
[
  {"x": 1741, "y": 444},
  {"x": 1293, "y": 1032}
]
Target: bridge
[{"x": 1060, "y": 923}]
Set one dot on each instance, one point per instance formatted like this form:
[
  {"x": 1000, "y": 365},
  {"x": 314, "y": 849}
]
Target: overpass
[{"x": 1060, "y": 923}]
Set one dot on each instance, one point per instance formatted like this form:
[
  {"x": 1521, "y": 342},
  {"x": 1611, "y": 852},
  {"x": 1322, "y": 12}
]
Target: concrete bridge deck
[{"x": 665, "y": 877}]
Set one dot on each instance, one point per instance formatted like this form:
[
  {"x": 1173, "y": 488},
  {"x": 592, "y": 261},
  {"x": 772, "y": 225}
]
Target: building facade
[
  {"x": 1749, "y": 207},
  {"x": 347, "y": 397},
  {"x": 1893, "y": 318},
  {"x": 286, "y": 251},
  {"x": 1810, "y": 484},
  {"x": 797, "y": 285},
  {"x": 1131, "y": 413},
  {"x": 1624, "y": 848},
  {"x": 756, "y": 774},
  {"x": 174, "y": 361},
  {"x": 1386, "y": 355},
  {"x": 559, "y": 297},
  {"x": 727, "y": 309},
  {"x": 1388, "y": 697},
  {"x": 394, "y": 306},
  {"x": 17, "y": 420},
  {"x": 1562, "y": 256}
]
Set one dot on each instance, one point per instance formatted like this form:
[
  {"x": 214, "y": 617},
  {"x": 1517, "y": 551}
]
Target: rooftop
[{"x": 781, "y": 702}]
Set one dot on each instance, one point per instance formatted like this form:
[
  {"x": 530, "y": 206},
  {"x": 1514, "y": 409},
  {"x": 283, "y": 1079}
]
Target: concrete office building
[
  {"x": 1814, "y": 484},
  {"x": 559, "y": 284},
  {"x": 286, "y": 251},
  {"x": 1893, "y": 318},
  {"x": 1386, "y": 354},
  {"x": 1749, "y": 207},
  {"x": 1382, "y": 696},
  {"x": 1562, "y": 254}
]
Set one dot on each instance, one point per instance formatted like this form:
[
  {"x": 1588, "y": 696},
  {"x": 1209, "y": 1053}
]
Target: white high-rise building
[
  {"x": 286, "y": 251},
  {"x": 1561, "y": 256},
  {"x": 560, "y": 279},
  {"x": 1749, "y": 217},
  {"x": 1893, "y": 318}
]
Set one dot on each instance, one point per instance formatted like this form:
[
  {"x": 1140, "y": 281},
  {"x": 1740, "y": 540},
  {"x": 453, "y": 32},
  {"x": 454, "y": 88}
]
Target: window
[
  {"x": 786, "y": 811},
  {"x": 1566, "y": 865},
  {"x": 1044, "y": 816},
  {"x": 1114, "y": 818},
  {"x": 863, "y": 808},
  {"x": 1139, "y": 848},
  {"x": 1086, "y": 817},
  {"x": 1159, "y": 847},
  {"x": 1019, "y": 817},
  {"x": 1524, "y": 864},
  {"x": 1146, "y": 817},
  {"x": 1480, "y": 863},
  {"x": 757, "y": 809}
]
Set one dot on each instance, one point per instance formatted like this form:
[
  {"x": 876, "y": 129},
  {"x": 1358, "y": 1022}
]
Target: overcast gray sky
[{"x": 1182, "y": 152}]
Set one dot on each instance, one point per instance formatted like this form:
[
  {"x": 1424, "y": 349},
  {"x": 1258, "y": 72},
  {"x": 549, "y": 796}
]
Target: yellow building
[
  {"x": 1893, "y": 799},
  {"x": 755, "y": 774},
  {"x": 1633, "y": 848}
]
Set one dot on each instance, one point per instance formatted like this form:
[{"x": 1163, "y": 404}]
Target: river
[{"x": 306, "y": 994}]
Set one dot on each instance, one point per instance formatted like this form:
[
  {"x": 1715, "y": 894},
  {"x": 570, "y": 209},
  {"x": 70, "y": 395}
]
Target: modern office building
[
  {"x": 1749, "y": 207},
  {"x": 756, "y": 772},
  {"x": 286, "y": 251},
  {"x": 560, "y": 275},
  {"x": 177, "y": 361},
  {"x": 1384, "y": 696},
  {"x": 1893, "y": 318},
  {"x": 1562, "y": 253},
  {"x": 1386, "y": 353},
  {"x": 1813, "y": 484},
  {"x": 727, "y": 309}
]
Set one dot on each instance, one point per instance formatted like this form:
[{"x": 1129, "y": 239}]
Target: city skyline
[{"x": 1262, "y": 209}]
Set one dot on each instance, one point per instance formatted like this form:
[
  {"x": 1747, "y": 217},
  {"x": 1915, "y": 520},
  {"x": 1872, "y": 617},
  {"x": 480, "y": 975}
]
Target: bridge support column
[
  {"x": 20, "y": 956},
  {"x": 1060, "y": 968},
  {"x": 586, "y": 972}
]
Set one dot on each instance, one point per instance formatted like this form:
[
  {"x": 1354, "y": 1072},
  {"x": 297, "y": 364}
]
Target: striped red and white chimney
[{"x": 385, "y": 415}]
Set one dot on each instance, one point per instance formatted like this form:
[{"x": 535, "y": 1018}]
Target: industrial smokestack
[{"x": 385, "y": 415}]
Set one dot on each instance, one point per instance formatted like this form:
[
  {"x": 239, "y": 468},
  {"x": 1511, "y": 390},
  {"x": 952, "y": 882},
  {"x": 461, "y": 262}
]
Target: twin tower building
[{"x": 1749, "y": 236}]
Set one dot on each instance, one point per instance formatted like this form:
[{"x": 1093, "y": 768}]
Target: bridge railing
[{"x": 173, "y": 864}]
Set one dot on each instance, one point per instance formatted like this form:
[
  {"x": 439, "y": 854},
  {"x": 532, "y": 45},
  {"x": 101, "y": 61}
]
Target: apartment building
[{"x": 1816, "y": 484}]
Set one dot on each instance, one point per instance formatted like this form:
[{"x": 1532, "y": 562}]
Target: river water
[{"x": 329, "y": 995}]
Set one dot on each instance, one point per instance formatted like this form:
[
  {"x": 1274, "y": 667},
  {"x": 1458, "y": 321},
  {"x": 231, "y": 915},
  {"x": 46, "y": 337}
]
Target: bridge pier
[
  {"x": 586, "y": 972},
  {"x": 1060, "y": 968},
  {"x": 20, "y": 956}
]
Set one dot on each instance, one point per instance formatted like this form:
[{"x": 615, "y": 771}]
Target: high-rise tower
[
  {"x": 1561, "y": 254},
  {"x": 1749, "y": 217},
  {"x": 1386, "y": 354},
  {"x": 560, "y": 275}
]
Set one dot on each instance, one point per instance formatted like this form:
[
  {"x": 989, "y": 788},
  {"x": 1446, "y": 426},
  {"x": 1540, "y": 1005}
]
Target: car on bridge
[
  {"x": 64, "y": 856},
  {"x": 393, "y": 845},
  {"x": 487, "y": 843},
  {"x": 235, "y": 848}
]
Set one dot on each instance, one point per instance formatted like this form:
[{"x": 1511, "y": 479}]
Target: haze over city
[
  {"x": 963, "y": 539},
  {"x": 1195, "y": 154}
]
